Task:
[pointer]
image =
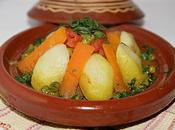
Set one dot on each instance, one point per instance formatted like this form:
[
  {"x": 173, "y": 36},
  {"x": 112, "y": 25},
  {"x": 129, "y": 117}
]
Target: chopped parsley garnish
[
  {"x": 52, "y": 89},
  {"x": 38, "y": 42},
  {"x": 121, "y": 95},
  {"x": 88, "y": 26},
  {"x": 133, "y": 90},
  {"x": 148, "y": 53},
  {"x": 132, "y": 84},
  {"x": 149, "y": 71},
  {"x": 24, "y": 78}
]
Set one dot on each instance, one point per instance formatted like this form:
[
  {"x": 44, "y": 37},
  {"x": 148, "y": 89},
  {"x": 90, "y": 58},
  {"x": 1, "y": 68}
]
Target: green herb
[
  {"x": 52, "y": 89},
  {"x": 24, "y": 78},
  {"x": 132, "y": 84},
  {"x": 149, "y": 71},
  {"x": 78, "y": 97},
  {"x": 151, "y": 78},
  {"x": 99, "y": 34},
  {"x": 121, "y": 95},
  {"x": 87, "y": 26},
  {"x": 38, "y": 42},
  {"x": 133, "y": 90},
  {"x": 145, "y": 69},
  {"x": 148, "y": 53}
]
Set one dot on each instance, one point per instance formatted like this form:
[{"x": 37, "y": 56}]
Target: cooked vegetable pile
[{"x": 85, "y": 61}]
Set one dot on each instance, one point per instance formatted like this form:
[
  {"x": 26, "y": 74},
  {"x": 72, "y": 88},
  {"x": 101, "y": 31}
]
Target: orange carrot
[
  {"x": 75, "y": 67},
  {"x": 110, "y": 55},
  {"x": 113, "y": 38},
  {"x": 27, "y": 64}
]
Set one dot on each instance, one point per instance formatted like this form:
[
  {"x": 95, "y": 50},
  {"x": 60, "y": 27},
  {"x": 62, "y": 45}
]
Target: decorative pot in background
[{"x": 105, "y": 11}]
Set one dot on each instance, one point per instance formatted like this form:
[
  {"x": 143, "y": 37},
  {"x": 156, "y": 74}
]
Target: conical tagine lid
[{"x": 105, "y": 11}]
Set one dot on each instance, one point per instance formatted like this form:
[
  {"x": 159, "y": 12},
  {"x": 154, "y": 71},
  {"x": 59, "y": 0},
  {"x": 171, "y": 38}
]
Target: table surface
[{"x": 159, "y": 18}]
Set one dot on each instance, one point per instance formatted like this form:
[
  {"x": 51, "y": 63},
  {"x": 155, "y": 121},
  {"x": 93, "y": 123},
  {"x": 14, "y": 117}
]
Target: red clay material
[{"x": 88, "y": 113}]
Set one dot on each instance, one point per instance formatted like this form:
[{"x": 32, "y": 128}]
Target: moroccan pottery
[
  {"x": 104, "y": 11},
  {"x": 81, "y": 112}
]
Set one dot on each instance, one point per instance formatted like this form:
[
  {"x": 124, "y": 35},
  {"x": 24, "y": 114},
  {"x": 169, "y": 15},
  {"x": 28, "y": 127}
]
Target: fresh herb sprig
[
  {"x": 88, "y": 26},
  {"x": 133, "y": 90}
]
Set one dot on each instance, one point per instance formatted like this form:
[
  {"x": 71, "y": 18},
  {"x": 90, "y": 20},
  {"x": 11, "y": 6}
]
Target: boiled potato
[
  {"x": 128, "y": 39},
  {"x": 130, "y": 65},
  {"x": 97, "y": 79},
  {"x": 50, "y": 67}
]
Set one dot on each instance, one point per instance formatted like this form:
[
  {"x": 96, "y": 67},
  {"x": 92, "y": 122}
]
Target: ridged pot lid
[{"x": 105, "y": 11}]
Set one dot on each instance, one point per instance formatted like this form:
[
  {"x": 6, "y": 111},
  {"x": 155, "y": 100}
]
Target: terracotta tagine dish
[
  {"x": 104, "y": 11},
  {"x": 78, "y": 97}
]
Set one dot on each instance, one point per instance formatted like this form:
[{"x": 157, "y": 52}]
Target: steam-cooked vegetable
[
  {"x": 50, "y": 67},
  {"x": 97, "y": 79},
  {"x": 113, "y": 38},
  {"x": 83, "y": 61},
  {"x": 72, "y": 38},
  {"x": 130, "y": 65},
  {"x": 76, "y": 64},
  {"x": 31, "y": 47},
  {"x": 128, "y": 39},
  {"x": 111, "y": 57},
  {"x": 28, "y": 63},
  {"x": 98, "y": 44}
]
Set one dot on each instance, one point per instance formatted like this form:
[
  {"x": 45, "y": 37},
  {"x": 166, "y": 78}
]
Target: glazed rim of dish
[{"x": 162, "y": 87}]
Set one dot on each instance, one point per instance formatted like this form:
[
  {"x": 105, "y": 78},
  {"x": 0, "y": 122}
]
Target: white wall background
[{"x": 160, "y": 17}]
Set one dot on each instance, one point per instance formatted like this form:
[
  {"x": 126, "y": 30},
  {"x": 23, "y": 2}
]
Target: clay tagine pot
[
  {"x": 81, "y": 112},
  {"x": 104, "y": 11}
]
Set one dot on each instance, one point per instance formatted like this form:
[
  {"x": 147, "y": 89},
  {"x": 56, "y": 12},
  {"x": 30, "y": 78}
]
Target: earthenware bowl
[
  {"x": 87, "y": 113},
  {"x": 104, "y": 11}
]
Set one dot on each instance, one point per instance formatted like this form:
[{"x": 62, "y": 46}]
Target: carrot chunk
[
  {"x": 80, "y": 56},
  {"x": 110, "y": 55},
  {"x": 113, "y": 38},
  {"x": 27, "y": 64}
]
